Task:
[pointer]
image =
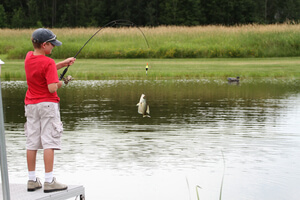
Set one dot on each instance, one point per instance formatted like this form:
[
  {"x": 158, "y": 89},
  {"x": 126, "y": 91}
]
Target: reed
[
  {"x": 198, "y": 187},
  {"x": 165, "y": 42}
]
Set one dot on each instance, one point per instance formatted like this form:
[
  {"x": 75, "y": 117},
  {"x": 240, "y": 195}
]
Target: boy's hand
[{"x": 69, "y": 61}]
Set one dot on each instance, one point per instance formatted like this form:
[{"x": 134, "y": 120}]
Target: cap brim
[
  {"x": 56, "y": 42},
  {"x": 1, "y": 62}
]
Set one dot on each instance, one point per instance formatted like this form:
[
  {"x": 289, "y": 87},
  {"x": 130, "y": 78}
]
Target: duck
[{"x": 237, "y": 79}]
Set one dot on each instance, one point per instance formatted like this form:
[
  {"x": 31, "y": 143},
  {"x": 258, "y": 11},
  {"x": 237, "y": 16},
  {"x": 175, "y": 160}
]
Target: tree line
[{"x": 94, "y": 13}]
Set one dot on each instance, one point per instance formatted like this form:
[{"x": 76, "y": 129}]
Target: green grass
[
  {"x": 99, "y": 69},
  {"x": 245, "y": 41}
]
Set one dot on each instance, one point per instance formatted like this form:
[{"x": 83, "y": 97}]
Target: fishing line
[{"x": 121, "y": 22}]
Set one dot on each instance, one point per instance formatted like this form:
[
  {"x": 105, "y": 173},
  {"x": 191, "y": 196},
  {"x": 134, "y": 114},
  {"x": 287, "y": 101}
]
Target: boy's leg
[
  {"x": 51, "y": 131},
  {"x": 33, "y": 182},
  {"x": 32, "y": 132},
  {"x": 48, "y": 161},
  {"x": 51, "y": 185},
  {"x": 31, "y": 159}
]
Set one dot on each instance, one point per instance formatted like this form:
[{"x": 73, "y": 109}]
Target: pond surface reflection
[{"x": 108, "y": 146}]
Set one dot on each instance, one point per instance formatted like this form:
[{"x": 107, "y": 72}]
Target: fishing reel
[{"x": 67, "y": 79}]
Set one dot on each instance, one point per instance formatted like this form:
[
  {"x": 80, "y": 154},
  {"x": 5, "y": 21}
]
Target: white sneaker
[
  {"x": 34, "y": 185},
  {"x": 54, "y": 186}
]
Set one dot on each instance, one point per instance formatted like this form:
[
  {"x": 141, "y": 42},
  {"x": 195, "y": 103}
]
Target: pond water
[{"x": 199, "y": 131}]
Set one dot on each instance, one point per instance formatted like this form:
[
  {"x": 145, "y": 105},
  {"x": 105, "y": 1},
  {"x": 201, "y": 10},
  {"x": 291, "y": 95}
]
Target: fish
[{"x": 143, "y": 107}]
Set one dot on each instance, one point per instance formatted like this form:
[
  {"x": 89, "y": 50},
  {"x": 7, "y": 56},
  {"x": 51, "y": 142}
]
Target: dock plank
[{"x": 19, "y": 192}]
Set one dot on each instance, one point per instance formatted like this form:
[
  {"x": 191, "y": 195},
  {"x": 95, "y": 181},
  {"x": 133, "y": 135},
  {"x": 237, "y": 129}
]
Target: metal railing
[{"x": 3, "y": 158}]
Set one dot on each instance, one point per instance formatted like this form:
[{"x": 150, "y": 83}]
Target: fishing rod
[{"x": 122, "y": 22}]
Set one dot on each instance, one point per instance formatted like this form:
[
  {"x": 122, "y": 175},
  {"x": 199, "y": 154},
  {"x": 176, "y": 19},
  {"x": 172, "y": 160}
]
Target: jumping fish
[{"x": 143, "y": 108}]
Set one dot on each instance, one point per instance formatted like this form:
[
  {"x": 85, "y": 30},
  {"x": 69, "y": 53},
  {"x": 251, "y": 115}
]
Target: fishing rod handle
[{"x": 64, "y": 72}]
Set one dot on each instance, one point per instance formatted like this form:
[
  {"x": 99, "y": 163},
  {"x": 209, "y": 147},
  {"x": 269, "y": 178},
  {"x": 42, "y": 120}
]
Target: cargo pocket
[{"x": 57, "y": 129}]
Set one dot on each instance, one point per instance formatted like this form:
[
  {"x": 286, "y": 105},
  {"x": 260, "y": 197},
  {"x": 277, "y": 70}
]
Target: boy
[{"x": 43, "y": 127}]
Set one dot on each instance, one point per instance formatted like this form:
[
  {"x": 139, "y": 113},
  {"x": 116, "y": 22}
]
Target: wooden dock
[{"x": 19, "y": 192}]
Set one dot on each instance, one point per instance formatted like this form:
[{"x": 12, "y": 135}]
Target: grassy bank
[
  {"x": 165, "y": 42},
  {"x": 98, "y": 69}
]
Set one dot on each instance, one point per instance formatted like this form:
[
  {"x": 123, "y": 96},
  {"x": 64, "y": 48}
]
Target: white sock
[
  {"x": 49, "y": 177},
  {"x": 31, "y": 175}
]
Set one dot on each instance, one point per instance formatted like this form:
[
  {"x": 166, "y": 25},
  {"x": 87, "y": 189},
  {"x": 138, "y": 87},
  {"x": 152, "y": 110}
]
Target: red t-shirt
[{"x": 40, "y": 72}]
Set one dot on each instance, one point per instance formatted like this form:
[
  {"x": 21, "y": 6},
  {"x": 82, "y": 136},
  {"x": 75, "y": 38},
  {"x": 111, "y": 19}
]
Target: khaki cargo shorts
[{"x": 43, "y": 127}]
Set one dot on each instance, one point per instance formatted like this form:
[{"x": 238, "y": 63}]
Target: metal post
[{"x": 4, "y": 170}]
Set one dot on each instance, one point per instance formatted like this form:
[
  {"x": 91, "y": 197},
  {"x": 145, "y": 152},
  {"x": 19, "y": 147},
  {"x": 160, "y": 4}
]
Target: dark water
[{"x": 107, "y": 144}]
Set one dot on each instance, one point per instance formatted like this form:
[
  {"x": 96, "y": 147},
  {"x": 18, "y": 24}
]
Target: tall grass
[{"x": 165, "y": 42}]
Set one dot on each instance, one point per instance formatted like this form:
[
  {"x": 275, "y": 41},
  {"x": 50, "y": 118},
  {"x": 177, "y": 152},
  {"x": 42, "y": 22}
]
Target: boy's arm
[
  {"x": 53, "y": 87},
  {"x": 65, "y": 63}
]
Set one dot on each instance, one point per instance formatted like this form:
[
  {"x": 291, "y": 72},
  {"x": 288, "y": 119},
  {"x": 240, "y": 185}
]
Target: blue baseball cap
[{"x": 42, "y": 35}]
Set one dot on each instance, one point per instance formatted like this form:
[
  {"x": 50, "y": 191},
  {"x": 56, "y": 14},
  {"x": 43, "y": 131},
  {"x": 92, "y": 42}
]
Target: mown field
[
  {"x": 245, "y": 41},
  {"x": 248, "y": 51},
  {"x": 134, "y": 69}
]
